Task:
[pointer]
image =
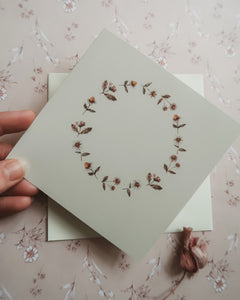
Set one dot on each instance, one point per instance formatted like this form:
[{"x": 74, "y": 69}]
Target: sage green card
[
  {"x": 197, "y": 213},
  {"x": 123, "y": 144}
]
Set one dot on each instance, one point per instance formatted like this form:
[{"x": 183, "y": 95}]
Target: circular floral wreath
[{"x": 152, "y": 180}]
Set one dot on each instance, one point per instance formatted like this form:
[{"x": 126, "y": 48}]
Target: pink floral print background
[{"x": 38, "y": 37}]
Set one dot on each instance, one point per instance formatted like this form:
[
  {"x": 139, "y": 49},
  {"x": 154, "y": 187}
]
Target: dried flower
[
  {"x": 176, "y": 117},
  {"x": 178, "y": 139},
  {"x": 173, "y": 106},
  {"x": 133, "y": 83},
  {"x": 165, "y": 108},
  {"x": 91, "y": 100},
  {"x": 149, "y": 177},
  {"x": 173, "y": 157},
  {"x": 113, "y": 188},
  {"x": 157, "y": 179},
  {"x": 178, "y": 165},
  {"x": 112, "y": 88},
  {"x": 74, "y": 127},
  {"x": 136, "y": 184},
  {"x": 77, "y": 145},
  {"x": 193, "y": 254},
  {"x": 87, "y": 165},
  {"x": 81, "y": 124},
  {"x": 153, "y": 94},
  {"x": 200, "y": 254},
  {"x": 117, "y": 181}
]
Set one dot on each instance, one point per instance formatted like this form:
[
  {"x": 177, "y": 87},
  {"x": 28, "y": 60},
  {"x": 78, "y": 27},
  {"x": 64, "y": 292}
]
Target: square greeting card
[
  {"x": 123, "y": 145},
  {"x": 197, "y": 213}
]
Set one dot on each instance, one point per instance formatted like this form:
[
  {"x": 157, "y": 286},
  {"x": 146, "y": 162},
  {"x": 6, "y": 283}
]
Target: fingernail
[{"x": 15, "y": 168}]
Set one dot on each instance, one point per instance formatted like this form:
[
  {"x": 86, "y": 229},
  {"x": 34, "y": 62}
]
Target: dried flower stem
[{"x": 173, "y": 289}]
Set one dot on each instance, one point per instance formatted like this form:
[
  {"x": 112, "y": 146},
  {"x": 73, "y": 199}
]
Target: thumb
[{"x": 11, "y": 172}]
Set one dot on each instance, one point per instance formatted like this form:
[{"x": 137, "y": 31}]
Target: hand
[{"x": 15, "y": 192}]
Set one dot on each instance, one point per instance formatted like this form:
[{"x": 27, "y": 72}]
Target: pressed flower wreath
[{"x": 152, "y": 180}]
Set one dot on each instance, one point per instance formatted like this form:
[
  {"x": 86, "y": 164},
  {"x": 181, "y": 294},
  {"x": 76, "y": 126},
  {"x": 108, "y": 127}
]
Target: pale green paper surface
[
  {"x": 127, "y": 142},
  {"x": 197, "y": 213}
]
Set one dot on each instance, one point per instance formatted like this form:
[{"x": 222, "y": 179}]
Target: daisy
[
  {"x": 219, "y": 284},
  {"x": 3, "y": 93},
  {"x": 31, "y": 254}
]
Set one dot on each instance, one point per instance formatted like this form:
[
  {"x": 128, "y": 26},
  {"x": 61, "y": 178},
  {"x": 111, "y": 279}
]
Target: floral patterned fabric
[{"x": 39, "y": 37}]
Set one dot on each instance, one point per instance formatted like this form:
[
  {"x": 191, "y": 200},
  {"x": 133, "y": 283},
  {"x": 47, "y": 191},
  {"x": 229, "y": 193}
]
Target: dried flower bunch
[
  {"x": 153, "y": 181},
  {"x": 193, "y": 255}
]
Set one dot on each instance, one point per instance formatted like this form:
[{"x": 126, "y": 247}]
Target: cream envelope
[
  {"x": 197, "y": 213},
  {"x": 123, "y": 144}
]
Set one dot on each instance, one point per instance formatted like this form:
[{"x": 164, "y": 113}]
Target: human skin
[{"x": 15, "y": 191}]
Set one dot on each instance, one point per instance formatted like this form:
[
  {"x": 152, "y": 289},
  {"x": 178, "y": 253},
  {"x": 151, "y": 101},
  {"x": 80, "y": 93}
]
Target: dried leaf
[
  {"x": 172, "y": 172},
  {"x": 91, "y": 173},
  {"x": 130, "y": 185},
  {"x": 125, "y": 82},
  {"x": 126, "y": 89},
  {"x": 166, "y": 96},
  {"x": 85, "y": 154},
  {"x": 147, "y": 84},
  {"x": 144, "y": 91},
  {"x": 105, "y": 178},
  {"x": 182, "y": 149},
  {"x": 110, "y": 97},
  {"x": 85, "y": 106},
  {"x": 156, "y": 187},
  {"x": 79, "y": 152},
  {"x": 91, "y": 110},
  {"x": 160, "y": 100},
  {"x": 104, "y": 186},
  {"x": 98, "y": 168},
  {"x": 129, "y": 192},
  {"x": 182, "y": 125},
  {"x": 165, "y": 167},
  {"x": 175, "y": 126},
  {"x": 104, "y": 85},
  {"x": 86, "y": 130}
]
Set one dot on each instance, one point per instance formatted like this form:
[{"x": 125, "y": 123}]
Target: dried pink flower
[{"x": 193, "y": 253}]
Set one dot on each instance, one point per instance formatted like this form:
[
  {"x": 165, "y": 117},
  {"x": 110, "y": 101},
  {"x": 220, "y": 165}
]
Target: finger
[
  {"x": 11, "y": 172},
  {"x": 15, "y": 121},
  {"x": 4, "y": 150},
  {"x": 10, "y": 205},
  {"x": 23, "y": 188}
]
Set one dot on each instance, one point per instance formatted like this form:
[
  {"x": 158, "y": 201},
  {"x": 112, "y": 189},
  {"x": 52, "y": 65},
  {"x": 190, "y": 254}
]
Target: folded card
[
  {"x": 123, "y": 144},
  {"x": 197, "y": 213}
]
